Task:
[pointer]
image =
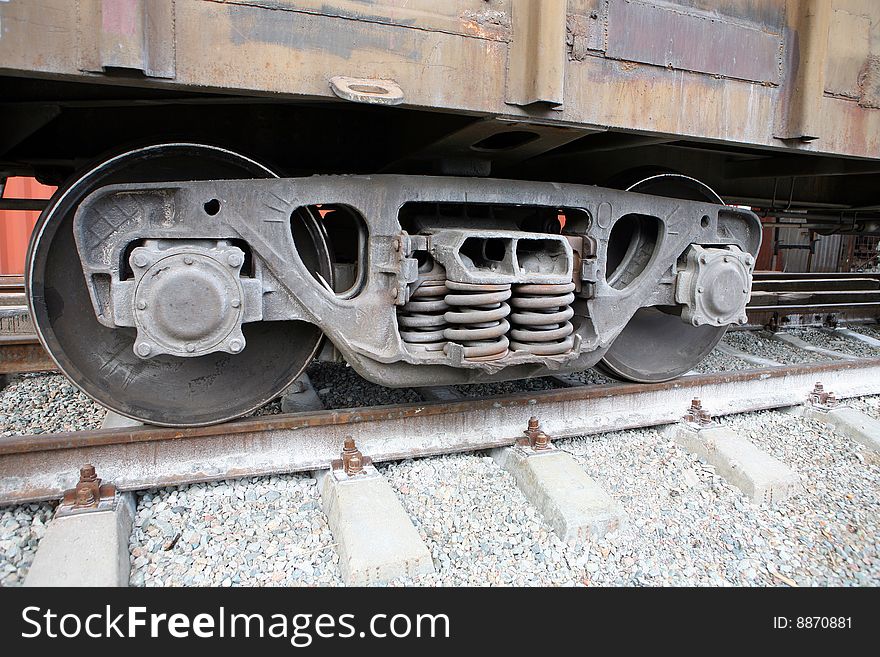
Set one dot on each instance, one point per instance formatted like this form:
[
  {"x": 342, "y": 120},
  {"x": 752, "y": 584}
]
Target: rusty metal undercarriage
[{"x": 200, "y": 301}]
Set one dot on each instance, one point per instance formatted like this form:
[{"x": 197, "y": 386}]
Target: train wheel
[
  {"x": 164, "y": 390},
  {"x": 656, "y": 345}
]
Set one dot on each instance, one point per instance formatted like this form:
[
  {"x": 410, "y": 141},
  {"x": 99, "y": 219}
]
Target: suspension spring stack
[
  {"x": 421, "y": 319},
  {"x": 478, "y": 317},
  {"x": 541, "y": 317}
]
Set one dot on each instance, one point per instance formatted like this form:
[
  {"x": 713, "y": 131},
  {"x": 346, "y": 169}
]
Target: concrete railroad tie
[
  {"x": 375, "y": 538},
  {"x": 848, "y": 422},
  {"x": 760, "y": 476},
  {"x": 87, "y": 549},
  {"x": 573, "y": 504}
]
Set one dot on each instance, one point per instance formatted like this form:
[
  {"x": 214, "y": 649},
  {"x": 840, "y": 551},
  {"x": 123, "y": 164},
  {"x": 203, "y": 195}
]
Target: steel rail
[{"x": 42, "y": 467}]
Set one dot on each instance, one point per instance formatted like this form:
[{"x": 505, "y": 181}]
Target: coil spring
[
  {"x": 478, "y": 313},
  {"x": 540, "y": 319},
  {"x": 421, "y": 319}
]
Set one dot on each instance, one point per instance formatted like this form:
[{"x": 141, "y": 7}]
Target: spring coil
[
  {"x": 541, "y": 317},
  {"x": 420, "y": 319},
  {"x": 478, "y": 317}
]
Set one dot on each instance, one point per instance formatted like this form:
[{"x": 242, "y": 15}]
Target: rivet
[
  {"x": 187, "y": 260},
  {"x": 190, "y": 347},
  {"x": 235, "y": 303},
  {"x": 235, "y": 346},
  {"x": 144, "y": 349},
  {"x": 141, "y": 305}
]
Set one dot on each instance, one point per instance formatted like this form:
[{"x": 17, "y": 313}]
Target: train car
[{"x": 445, "y": 192}]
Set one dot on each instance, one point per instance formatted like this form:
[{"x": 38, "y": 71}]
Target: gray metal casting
[{"x": 364, "y": 327}]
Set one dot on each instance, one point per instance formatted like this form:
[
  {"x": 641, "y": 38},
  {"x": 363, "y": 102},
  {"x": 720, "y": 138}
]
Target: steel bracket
[
  {"x": 534, "y": 441},
  {"x": 89, "y": 495},
  {"x": 352, "y": 464}
]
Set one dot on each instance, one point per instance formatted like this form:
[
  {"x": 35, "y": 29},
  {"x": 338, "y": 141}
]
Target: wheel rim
[
  {"x": 656, "y": 345},
  {"x": 99, "y": 360}
]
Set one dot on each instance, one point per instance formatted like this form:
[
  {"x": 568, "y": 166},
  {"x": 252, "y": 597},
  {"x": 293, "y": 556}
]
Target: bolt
[
  {"x": 235, "y": 303},
  {"x": 187, "y": 260},
  {"x": 820, "y": 397},
  {"x": 235, "y": 345},
  {"x": 144, "y": 349},
  {"x": 88, "y": 473},
  {"x": 352, "y": 459},
  {"x": 190, "y": 347},
  {"x": 84, "y": 496},
  {"x": 538, "y": 440},
  {"x": 234, "y": 259},
  {"x": 141, "y": 305},
  {"x": 140, "y": 260},
  {"x": 696, "y": 414},
  {"x": 542, "y": 441}
]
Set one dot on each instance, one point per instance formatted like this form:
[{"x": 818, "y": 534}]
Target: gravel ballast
[
  {"x": 686, "y": 525},
  {"x": 507, "y": 387},
  {"x": 760, "y": 343},
  {"x": 21, "y": 528},
  {"x": 870, "y": 406},
  {"x": 46, "y": 403},
  {"x": 591, "y": 377},
  {"x": 871, "y": 330},
  {"x": 339, "y": 386},
  {"x": 718, "y": 361},
  {"x": 836, "y": 342},
  {"x": 259, "y": 531}
]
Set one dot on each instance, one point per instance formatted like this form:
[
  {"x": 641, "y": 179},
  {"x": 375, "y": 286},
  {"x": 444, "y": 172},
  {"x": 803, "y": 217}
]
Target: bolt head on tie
[
  {"x": 535, "y": 438},
  {"x": 697, "y": 415},
  {"x": 352, "y": 461},
  {"x": 821, "y": 397},
  {"x": 88, "y": 473},
  {"x": 84, "y": 496}
]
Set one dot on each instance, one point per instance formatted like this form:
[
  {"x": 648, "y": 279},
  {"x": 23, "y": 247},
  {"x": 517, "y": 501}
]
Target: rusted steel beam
[
  {"x": 536, "y": 68},
  {"x": 23, "y": 355},
  {"x": 812, "y": 22},
  {"x": 133, "y": 35},
  {"x": 762, "y": 299},
  {"x": 817, "y": 284},
  {"x": 43, "y": 467}
]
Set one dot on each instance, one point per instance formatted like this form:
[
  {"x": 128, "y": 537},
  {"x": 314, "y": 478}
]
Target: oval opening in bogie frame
[
  {"x": 344, "y": 232},
  {"x": 632, "y": 244}
]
